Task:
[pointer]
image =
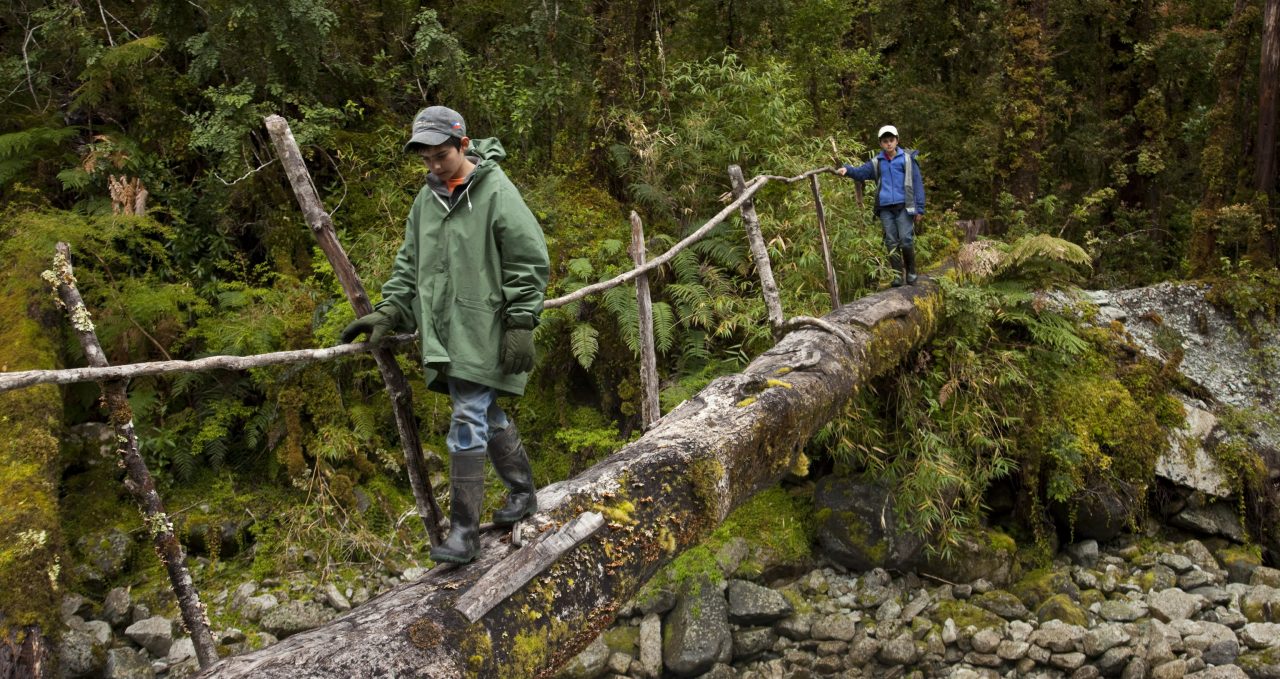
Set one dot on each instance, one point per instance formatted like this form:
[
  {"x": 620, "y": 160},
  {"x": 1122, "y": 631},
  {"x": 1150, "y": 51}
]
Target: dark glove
[
  {"x": 516, "y": 354},
  {"x": 377, "y": 324}
]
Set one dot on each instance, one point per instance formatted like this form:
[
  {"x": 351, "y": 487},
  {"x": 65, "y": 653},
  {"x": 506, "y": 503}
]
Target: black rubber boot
[
  {"x": 895, "y": 261},
  {"x": 909, "y": 263},
  {"x": 466, "y": 495},
  {"x": 512, "y": 464}
]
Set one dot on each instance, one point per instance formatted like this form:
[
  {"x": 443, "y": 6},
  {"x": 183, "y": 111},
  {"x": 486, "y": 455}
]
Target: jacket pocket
[{"x": 475, "y": 332}]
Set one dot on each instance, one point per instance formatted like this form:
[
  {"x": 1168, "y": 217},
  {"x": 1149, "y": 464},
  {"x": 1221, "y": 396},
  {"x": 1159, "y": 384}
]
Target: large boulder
[
  {"x": 978, "y": 554},
  {"x": 154, "y": 634},
  {"x": 1186, "y": 463},
  {"x": 696, "y": 635},
  {"x": 859, "y": 528},
  {"x": 128, "y": 663},
  {"x": 1217, "y": 519},
  {"x": 80, "y": 653}
]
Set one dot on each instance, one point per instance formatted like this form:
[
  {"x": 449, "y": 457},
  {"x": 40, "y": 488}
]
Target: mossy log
[{"x": 661, "y": 494}]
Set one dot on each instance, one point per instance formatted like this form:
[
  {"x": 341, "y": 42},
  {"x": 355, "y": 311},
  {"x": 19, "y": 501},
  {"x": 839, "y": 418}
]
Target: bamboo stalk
[
  {"x": 649, "y": 408},
  {"x": 833, "y": 286},
  {"x": 758, "y": 252},
  {"x": 397, "y": 385},
  {"x": 138, "y": 479}
]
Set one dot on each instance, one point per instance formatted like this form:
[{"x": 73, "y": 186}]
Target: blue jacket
[{"x": 893, "y": 180}]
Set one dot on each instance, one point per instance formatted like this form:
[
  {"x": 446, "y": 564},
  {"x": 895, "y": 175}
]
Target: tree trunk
[
  {"x": 661, "y": 495},
  {"x": 1268, "y": 93},
  {"x": 1219, "y": 160}
]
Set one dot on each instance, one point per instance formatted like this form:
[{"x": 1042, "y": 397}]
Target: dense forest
[{"x": 1106, "y": 144}]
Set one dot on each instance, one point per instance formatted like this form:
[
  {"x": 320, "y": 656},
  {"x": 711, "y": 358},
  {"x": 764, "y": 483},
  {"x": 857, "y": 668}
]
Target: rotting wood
[
  {"x": 522, "y": 565},
  {"x": 416, "y": 464},
  {"x": 649, "y": 409},
  {"x": 138, "y": 479},
  {"x": 833, "y": 286},
  {"x": 29, "y": 378},
  {"x": 759, "y": 253},
  {"x": 665, "y": 492}
]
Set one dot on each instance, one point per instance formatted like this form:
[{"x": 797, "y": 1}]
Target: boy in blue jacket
[{"x": 899, "y": 200}]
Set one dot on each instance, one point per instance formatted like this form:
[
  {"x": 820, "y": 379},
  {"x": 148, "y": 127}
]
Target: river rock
[
  {"x": 154, "y": 634},
  {"x": 127, "y": 663},
  {"x": 751, "y": 604},
  {"x": 1216, "y": 643},
  {"x": 1261, "y": 604},
  {"x": 840, "y": 626},
  {"x": 1264, "y": 664},
  {"x": 1263, "y": 575},
  {"x": 588, "y": 664},
  {"x": 295, "y": 616},
  {"x": 1173, "y": 604},
  {"x": 80, "y": 654},
  {"x": 697, "y": 634},
  {"x": 861, "y": 529},
  {"x": 1058, "y": 636},
  {"x": 1103, "y": 638},
  {"x": 336, "y": 600},
  {"x": 255, "y": 607},
  {"x": 650, "y": 645},
  {"x": 116, "y": 605}
]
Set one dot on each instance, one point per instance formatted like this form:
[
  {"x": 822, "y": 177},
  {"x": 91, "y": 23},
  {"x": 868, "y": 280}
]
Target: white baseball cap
[{"x": 887, "y": 129}]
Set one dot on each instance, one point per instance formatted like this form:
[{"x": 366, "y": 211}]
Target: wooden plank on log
[
  {"x": 521, "y": 566},
  {"x": 666, "y": 492}
]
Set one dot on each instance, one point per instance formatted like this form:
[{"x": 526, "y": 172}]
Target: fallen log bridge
[{"x": 658, "y": 495}]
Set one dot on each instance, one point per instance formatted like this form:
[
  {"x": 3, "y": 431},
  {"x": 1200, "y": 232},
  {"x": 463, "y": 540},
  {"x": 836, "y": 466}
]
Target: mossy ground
[{"x": 777, "y": 526}]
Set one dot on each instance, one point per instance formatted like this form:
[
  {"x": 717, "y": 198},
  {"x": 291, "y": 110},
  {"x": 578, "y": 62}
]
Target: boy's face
[
  {"x": 444, "y": 161},
  {"x": 889, "y": 143}
]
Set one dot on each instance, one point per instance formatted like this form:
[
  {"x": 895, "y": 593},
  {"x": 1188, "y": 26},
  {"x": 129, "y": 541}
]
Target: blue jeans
[
  {"x": 476, "y": 415},
  {"x": 899, "y": 227}
]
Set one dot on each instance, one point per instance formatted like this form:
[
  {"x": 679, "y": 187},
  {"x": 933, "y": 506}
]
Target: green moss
[
  {"x": 706, "y": 474},
  {"x": 1257, "y": 661},
  {"x": 625, "y": 639},
  {"x": 1061, "y": 607},
  {"x": 965, "y": 614},
  {"x": 1041, "y": 584},
  {"x": 30, "y": 535},
  {"x": 877, "y": 551},
  {"x": 477, "y": 647}
]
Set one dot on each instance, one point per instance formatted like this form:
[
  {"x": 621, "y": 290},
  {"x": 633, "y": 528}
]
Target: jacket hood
[{"x": 487, "y": 149}]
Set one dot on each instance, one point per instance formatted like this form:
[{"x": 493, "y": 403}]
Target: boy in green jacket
[{"x": 471, "y": 277}]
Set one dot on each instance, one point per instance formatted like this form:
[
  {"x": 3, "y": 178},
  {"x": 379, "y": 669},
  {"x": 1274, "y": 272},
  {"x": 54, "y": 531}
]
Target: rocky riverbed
[{"x": 1160, "y": 610}]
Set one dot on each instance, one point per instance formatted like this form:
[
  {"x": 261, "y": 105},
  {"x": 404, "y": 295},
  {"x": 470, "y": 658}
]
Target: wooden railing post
[
  {"x": 649, "y": 408},
  {"x": 759, "y": 252},
  {"x": 397, "y": 385},
  {"x": 833, "y": 286},
  {"x": 138, "y": 479}
]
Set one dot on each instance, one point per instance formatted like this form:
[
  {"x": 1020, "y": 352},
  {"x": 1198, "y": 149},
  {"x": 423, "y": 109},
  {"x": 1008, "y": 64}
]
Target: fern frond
[
  {"x": 664, "y": 327},
  {"x": 583, "y": 342}
]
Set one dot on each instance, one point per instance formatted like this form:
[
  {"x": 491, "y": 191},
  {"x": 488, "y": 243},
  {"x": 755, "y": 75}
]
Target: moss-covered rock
[
  {"x": 982, "y": 553},
  {"x": 1240, "y": 562},
  {"x": 965, "y": 614},
  {"x": 1041, "y": 584},
  {"x": 1061, "y": 607},
  {"x": 859, "y": 528}
]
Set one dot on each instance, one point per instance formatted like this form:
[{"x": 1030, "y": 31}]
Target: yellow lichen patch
[
  {"x": 782, "y": 371},
  {"x": 746, "y": 401},
  {"x": 777, "y": 383}
]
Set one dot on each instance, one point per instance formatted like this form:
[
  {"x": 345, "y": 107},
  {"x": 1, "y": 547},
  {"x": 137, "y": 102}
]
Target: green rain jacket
[{"x": 472, "y": 264}]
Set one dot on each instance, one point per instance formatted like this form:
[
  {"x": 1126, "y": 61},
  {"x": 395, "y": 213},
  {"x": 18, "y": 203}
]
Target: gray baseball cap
[{"x": 435, "y": 124}]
